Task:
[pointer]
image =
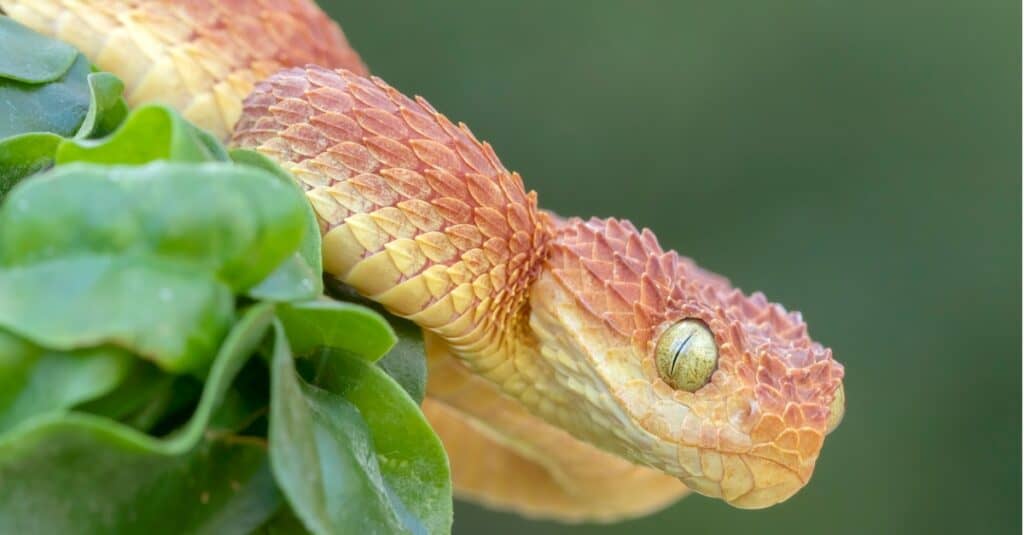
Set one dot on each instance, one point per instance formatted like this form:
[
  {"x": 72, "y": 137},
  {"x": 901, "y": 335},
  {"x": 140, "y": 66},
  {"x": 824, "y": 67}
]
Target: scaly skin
[
  {"x": 199, "y": 56},
  {"x": 541, "y": 331}
]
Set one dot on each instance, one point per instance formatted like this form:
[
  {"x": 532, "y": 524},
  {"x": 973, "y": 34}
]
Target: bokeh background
[{"x": 857, "y": 161}]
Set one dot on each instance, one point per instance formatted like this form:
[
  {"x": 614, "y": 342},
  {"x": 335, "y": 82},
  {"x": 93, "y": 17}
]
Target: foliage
[
  {"x": 166, "y": 350},
  {"x": 48, "y": 86}
]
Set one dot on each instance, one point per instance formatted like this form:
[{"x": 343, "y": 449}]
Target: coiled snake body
[{"x": 577, "y": 370}]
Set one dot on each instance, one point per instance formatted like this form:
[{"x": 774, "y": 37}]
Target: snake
[{"x": 577, "y": 371}]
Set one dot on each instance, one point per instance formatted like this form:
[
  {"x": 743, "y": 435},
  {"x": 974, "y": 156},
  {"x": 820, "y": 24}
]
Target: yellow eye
[{"x": 687, "y": 355}]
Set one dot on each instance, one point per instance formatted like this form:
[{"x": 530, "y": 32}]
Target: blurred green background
[{"x": 856, "y": 161}]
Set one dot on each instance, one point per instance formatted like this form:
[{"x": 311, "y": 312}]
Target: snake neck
[
  {"x": 421, "y": 217},
  {"x": 494, "y": 335},
  {"x": 416, "y": 213}
]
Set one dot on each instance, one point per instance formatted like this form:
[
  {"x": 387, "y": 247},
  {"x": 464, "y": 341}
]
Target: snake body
[{"x": 548, "y": 382}]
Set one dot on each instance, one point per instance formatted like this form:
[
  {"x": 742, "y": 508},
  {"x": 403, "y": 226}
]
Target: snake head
[{"x": 724, "y": 390}]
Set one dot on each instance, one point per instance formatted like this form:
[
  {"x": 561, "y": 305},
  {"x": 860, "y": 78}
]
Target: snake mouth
[{"x": 749, "y": 481}]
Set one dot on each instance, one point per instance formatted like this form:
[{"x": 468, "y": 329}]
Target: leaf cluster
[{"x": 168, "y": 359}]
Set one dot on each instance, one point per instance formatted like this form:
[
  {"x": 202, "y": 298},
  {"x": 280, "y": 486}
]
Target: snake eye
[{"x": 687, "y": 355}]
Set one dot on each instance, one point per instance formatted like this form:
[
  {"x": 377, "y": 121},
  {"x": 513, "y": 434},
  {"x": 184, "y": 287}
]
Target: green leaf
[
  {"x": 25, "y": 155},
  {"x": 30, "y": 57},
  {"x": 293, "y": 280},
  {"x": 58, "y": 106},
  {"x": 87, "y": 475},
  {"x": 154, "y": 307},
  {"x": 322, "y": 455},
  {"x": 235, "y": 221},
  {"x": 283, "y": 523},
  {"x": 412, "y": 459},
  {"x": 300, "y": 278},
  {"x": 345, "y": 328},
  {"x": 151, "y": 132},
  {"x": 218, "y": 152},
  {"x": 247, "y": 404},
  {"x": 406, "y": 362},
  {"x": 140, "y": 400},
  {"x": 148, "y": 398},
  {"x": 47, "y": 86},
  {"x": 35, "y": 381},
  {"x": 106, "y": 107},
  {"x": 80, "y": 473}
]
